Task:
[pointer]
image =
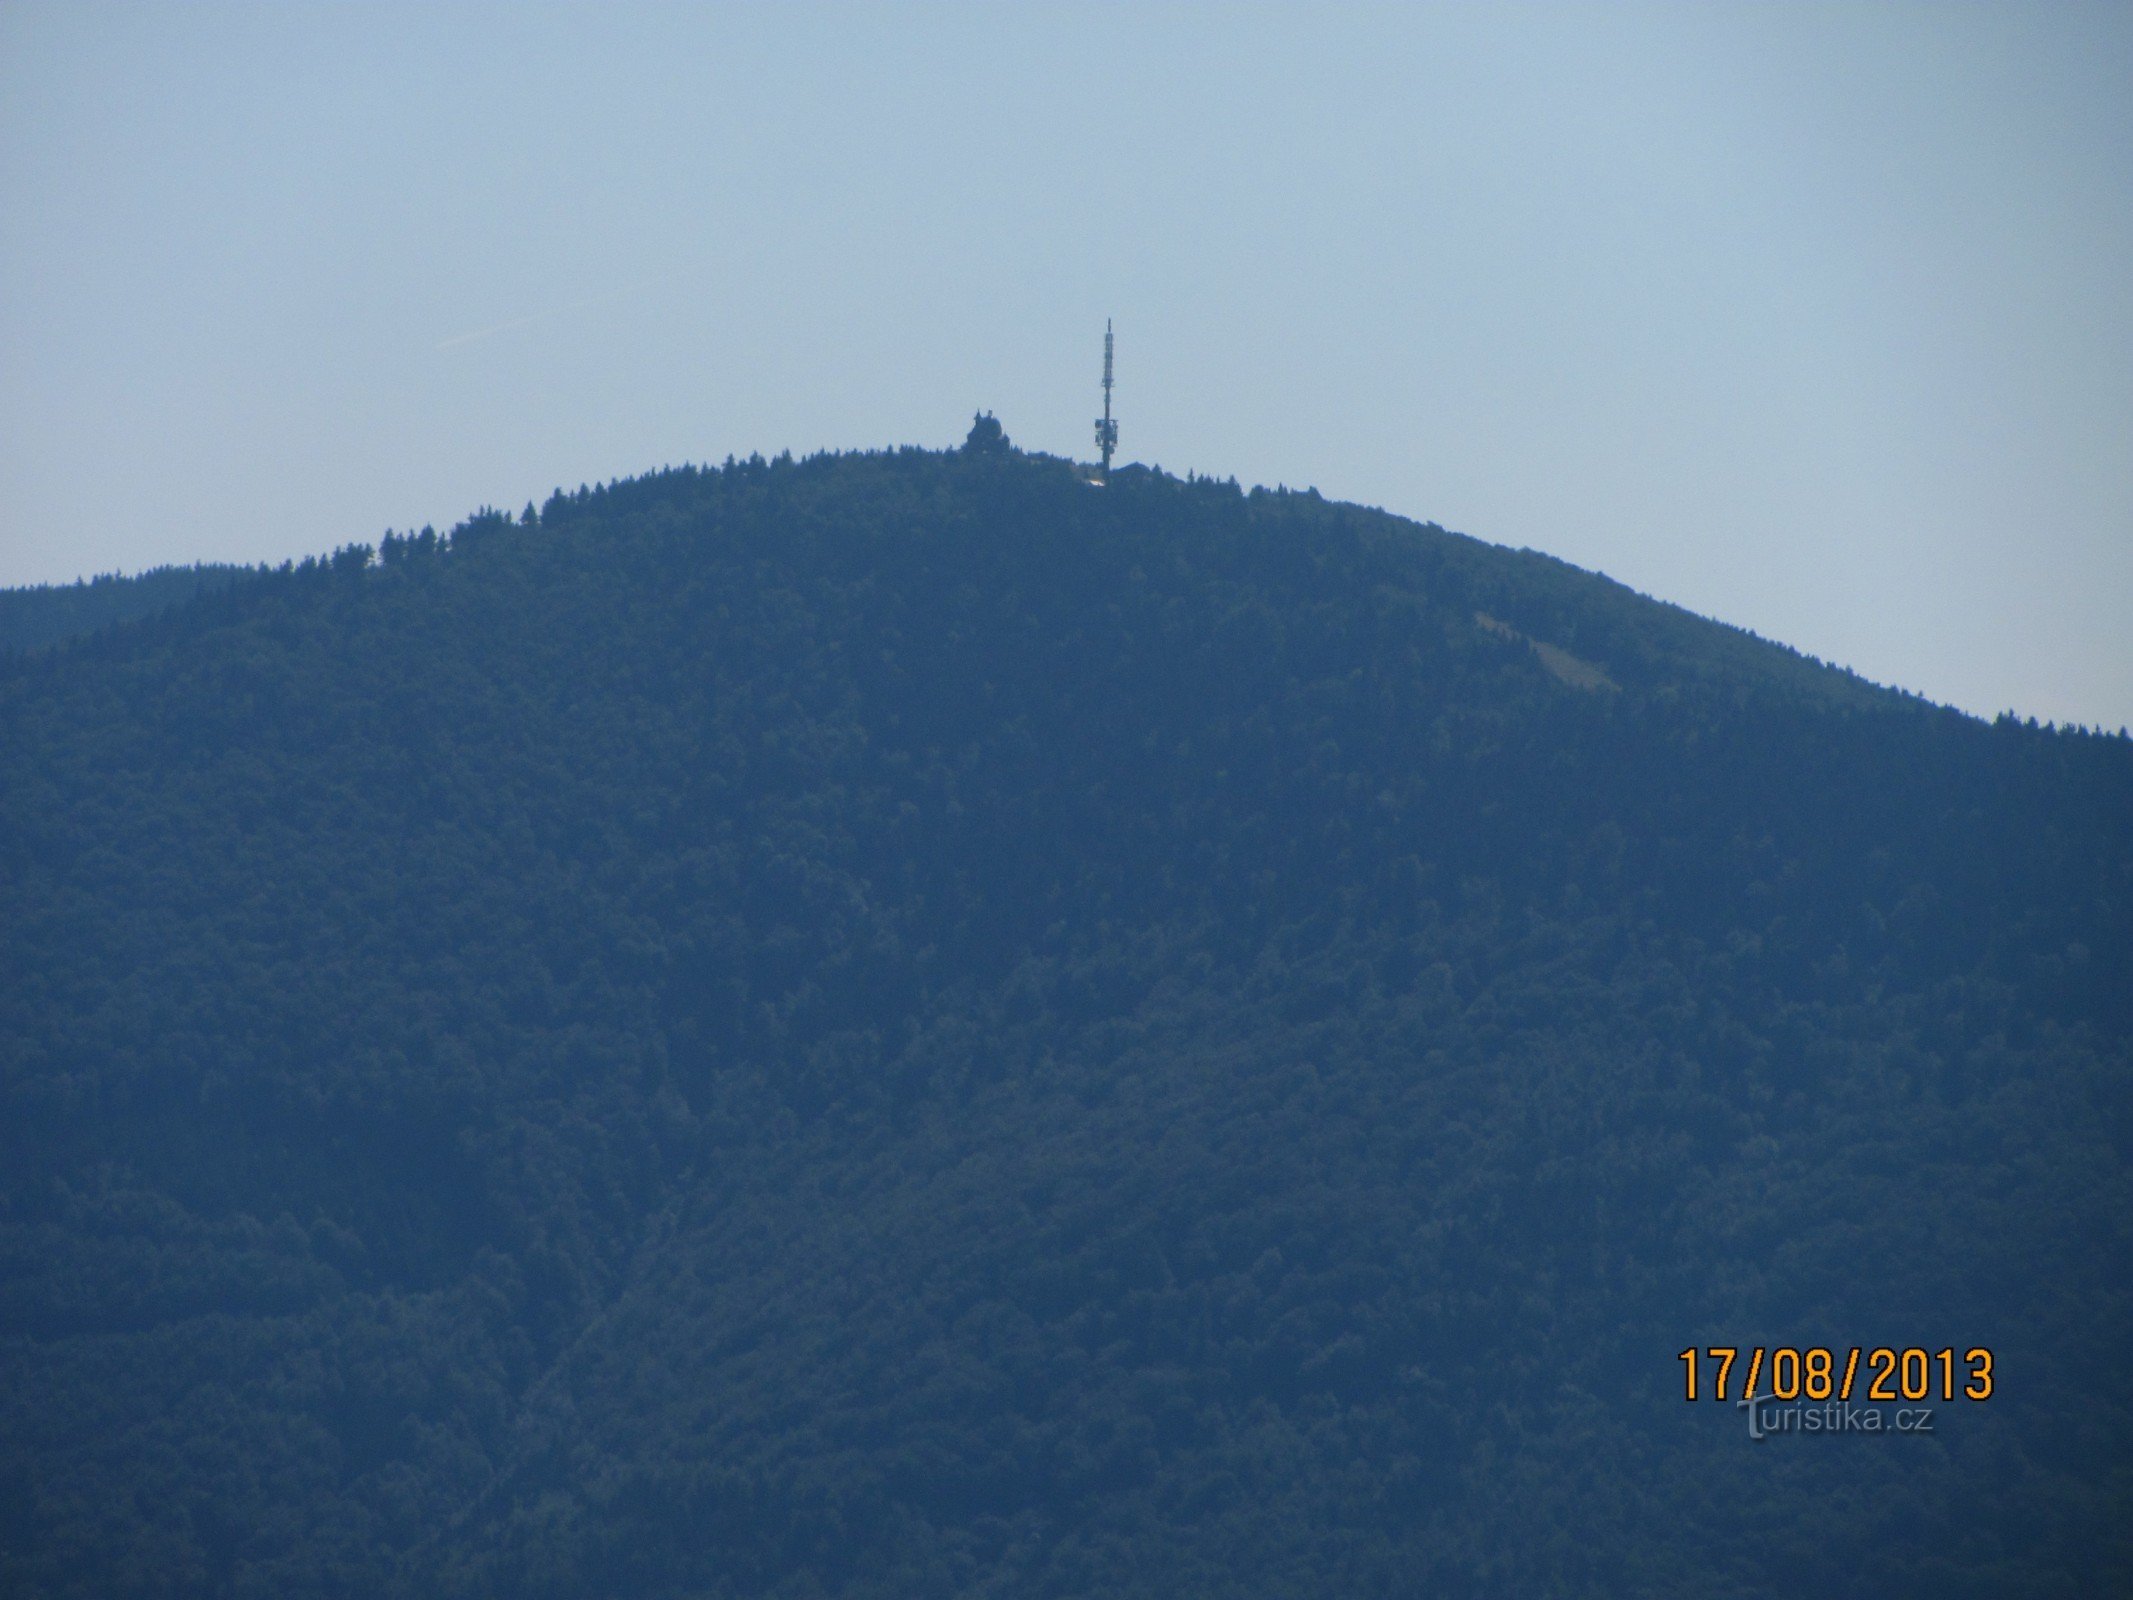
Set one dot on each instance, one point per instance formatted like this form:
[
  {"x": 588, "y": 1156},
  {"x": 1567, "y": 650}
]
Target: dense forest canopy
[
  {"x": 901, "y": 1024},
  {"x": 33, "y": 618}
]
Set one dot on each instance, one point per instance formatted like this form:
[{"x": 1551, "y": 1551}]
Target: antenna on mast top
[{"x": 1106, "y": 429}]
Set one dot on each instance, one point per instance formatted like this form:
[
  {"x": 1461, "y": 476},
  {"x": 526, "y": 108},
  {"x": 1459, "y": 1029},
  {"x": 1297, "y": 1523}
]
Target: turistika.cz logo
[{"x": 1768, "y": 1416}]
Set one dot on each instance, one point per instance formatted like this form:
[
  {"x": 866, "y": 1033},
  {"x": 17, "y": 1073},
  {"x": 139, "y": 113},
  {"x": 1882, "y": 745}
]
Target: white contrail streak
[{"x": 458, "y": 339}]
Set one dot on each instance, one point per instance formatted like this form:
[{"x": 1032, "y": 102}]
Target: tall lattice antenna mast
[{"x": 1106, "y": 429}]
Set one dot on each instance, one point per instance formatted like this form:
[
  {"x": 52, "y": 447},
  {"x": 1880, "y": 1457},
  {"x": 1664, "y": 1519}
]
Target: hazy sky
[{"x": 1815, "y": 319}]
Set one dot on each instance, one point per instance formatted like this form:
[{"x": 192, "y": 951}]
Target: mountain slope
[
  {"x": 32, "y": 618},
  {"x": 903, "y": 1024}
]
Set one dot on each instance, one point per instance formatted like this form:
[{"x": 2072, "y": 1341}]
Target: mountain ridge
[
  {"x": 38, "y": 616},
  {"x": 899, "y": 1024},
  {"x": 42, "y": 624}
]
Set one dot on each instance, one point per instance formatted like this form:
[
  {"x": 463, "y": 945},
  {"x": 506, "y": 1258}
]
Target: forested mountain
[
  {"x": 908, "y": 1025},
  {"x": 35, "y": 617}
]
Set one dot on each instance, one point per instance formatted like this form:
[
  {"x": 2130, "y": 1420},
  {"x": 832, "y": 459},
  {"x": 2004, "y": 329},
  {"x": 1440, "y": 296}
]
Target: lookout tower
[{"x": 1106, "y": 428}]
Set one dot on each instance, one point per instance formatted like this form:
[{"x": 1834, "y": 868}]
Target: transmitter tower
[{"x": 1106, "y": 428}]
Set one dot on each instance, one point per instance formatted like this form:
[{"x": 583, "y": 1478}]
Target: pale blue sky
[{"x": 1815, "y": 319}]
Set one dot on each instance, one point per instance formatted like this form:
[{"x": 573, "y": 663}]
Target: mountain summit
[{"x": 896, "y": 1025}]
